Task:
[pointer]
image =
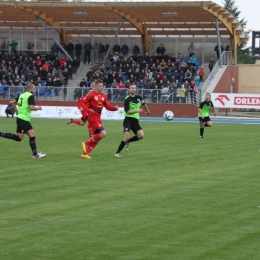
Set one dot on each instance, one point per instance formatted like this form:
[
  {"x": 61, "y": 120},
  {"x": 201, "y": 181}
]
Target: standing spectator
[
  {"x": 226, "y": 57},
  {"x": 13, "y": 46},
  {"x": 160, "y": 49},
  {"x": 216, "y": 49},
  {"x": 64, "y": 46},
  {"x": 106, "y": 48},
  {"x": 70, "y": 48},
  {"x": 87, "y": 48},
  {"x": 136, "y": 50},
  {"x": 65, "y": 93},
  {"x": 183, "y": 94},
  {"x": 191, "y": 49},
  {"x": 211, "y": 64},
  {"x": 116, "y": 48},
  {"x": 78, "y": 49},
  {"x": 125, "y": 49},
  {"x": 101, "y": 50},
  {"x": 96, "y": 51},
  {"x": 201, "y": 73},
  {"x": 55, "y": 48},
  {"x": 192, "y": 90},
  {"x": 77, "y": 93}
]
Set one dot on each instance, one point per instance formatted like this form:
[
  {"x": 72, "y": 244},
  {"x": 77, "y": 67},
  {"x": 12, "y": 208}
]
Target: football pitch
[{"x": 171, "y": 196}]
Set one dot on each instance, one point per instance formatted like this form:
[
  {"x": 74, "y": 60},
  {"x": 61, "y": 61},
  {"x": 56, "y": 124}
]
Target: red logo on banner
[
  {"x": 221, "y": 99},
  {"x": 247, "y": 101}
]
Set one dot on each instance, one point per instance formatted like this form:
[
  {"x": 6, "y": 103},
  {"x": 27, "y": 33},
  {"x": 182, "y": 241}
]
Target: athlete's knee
[
  {"x": 126, "y": 139},
  {"x": 103, "y": 134},
  {"x": 140, "y": 136}
]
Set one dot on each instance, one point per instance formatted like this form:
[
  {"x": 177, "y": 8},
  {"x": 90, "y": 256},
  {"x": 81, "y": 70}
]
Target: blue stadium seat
[
  {"x": 41, "y": 90},
  {"x": 52, "y": 94},
  {"x": 199, "y": 63}
]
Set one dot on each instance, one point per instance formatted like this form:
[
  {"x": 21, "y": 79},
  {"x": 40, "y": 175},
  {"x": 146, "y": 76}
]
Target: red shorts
[
  {"x": 95, "y": 127},
  {"x": 84, "y": 117}
]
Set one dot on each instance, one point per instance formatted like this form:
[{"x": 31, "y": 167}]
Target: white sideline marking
[{"x": 8, "y": 201}]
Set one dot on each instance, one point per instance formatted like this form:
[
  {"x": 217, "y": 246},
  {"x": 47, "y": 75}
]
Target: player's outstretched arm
[
  {"x": 109, "y": 107},
  {"x": 146, "y": 109}
]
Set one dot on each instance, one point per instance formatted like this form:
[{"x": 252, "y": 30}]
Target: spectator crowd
[
  {"x": 51, "y": 70},
  {"x": 159, "y": 76}
]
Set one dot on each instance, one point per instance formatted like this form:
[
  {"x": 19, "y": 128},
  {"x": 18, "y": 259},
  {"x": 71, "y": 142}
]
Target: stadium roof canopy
[{"x": 147, "y": 19}]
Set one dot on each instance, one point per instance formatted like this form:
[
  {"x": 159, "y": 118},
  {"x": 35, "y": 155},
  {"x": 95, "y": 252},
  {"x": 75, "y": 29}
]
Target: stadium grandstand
[{"x": 63, "y": 46}]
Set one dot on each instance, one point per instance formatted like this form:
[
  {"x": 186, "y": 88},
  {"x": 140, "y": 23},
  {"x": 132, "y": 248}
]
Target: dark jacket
[
  {"x": 78, "y": 48},
  {"x": 88, "y": 47}
]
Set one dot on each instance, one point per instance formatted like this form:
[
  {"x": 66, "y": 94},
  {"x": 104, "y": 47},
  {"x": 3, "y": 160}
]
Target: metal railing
[
  {"x": 226, "y": 60},
  {"x": 64, "y": 93}
]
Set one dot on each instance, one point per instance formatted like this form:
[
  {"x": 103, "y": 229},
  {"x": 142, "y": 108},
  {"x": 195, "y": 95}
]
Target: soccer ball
[{"x": 168, "y": 115}]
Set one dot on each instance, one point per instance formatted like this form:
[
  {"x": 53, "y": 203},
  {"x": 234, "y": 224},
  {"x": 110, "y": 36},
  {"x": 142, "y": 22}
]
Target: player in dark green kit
[
  {"x": 203, "y": 113},
  {"x": 131, "y": 122},
  {"x": 26, "y": 105}
]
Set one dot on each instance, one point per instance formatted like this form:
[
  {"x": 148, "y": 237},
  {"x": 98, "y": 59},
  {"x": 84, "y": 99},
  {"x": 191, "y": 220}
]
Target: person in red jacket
[
  {"x": 94, "y": 104},
  {"x": 201, "y": 73}
]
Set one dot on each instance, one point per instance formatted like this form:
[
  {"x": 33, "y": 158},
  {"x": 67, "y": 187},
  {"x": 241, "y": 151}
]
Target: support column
[
  {"x": 145, "y": 38},
  {"x": 64, "y": 35},
  {"x": 219, "y": 43},
  {"x": 234, "y": 47}
]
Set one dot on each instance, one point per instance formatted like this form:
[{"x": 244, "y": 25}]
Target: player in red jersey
[
  {"x": 93, "y": 104},
  {"x": 84, "y": 113}
]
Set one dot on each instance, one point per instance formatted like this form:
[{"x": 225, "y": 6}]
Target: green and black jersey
[
  {"x": 133, "y": 103},
  {"x": 205, "y": 108},
  {"x": 24, "y": 101}
]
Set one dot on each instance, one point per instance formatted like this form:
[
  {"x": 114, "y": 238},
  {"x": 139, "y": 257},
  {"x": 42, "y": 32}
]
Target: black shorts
[
  {"x": 131, "y": 124},
  {"x": 23, "y": 126},
  {"x": 204, "y": 120}
]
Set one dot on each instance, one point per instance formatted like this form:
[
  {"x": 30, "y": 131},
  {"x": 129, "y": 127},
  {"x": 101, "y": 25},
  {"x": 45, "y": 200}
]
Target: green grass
[{"x": 171, "y": 196}]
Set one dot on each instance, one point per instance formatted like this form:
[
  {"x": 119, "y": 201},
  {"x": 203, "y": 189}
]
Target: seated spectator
[
  {"x": 102, "y": 68},
  {"x": 193, "y": 59},
  {"x": 9, "y": 111},
  {"x": 46, "y": 66},
  {"x": 188, "y": 76},
  {"x": 162, "y": 64}
]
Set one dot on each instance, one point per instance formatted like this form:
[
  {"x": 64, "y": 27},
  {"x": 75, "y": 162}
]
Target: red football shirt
[{"x": 96, "y": 101}]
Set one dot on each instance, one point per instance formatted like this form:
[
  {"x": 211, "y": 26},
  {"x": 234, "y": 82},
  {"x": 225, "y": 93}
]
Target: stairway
[{"x": 76, "y": 79}]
